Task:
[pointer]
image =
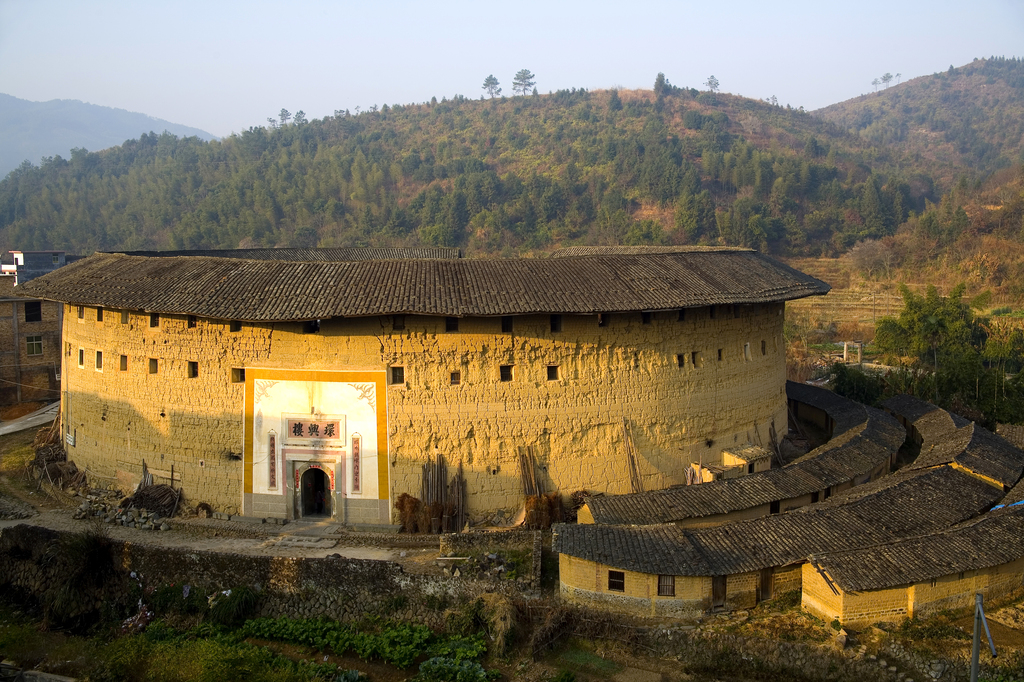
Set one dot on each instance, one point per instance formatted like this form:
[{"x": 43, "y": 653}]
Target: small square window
[
  {"x": 235, "y": 326},
  {"x": 34, "y": 345},
  {"x": 451, "y": 324},
  {"x": 506, "y": 324},
  {"x": 81, "y": 312},
  {"x": 81, "y": 357},
  {"x": 154, "y": 365},
  {"x": 719, "y": 354},
  {"x": 616, "y": 581},
  {"x": 397, "y": 375},
  {"x": 645, "y": 318},
  {"x": 456, "y": 378},
  {"x": 696, "y": 359},
  {"x": 193, "y": 370},
  {"x": 123, "y": 366},
  {"x": 99, "y": 360},
  {"x": 398, "y": 322},
  {"x": 308, "y": 327},
  {"x": 602, "y": 319},
  {"x": 666, "y": 586},
  {"x": 238, "y": 375},
  {"x": 505, "y": 372},
  {"x": 773, "y": 507},
  {"x": 34, "y": 311},
  {"x": 552, "y": 372},
  {"x": 55, "y": 259},
  {"x": 681, "y": 360},
  {"x": 154, "y": 319},
  {"x": 190, "y": 322},
  {"x": 124, "y": 317},
  {"x": 99, "y": 314},
  {"x": 556, "y": 323}
]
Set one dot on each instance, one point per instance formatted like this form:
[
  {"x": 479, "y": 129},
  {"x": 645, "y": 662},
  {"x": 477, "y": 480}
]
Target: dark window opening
[
  {"x": 191, "y": 322},
  {"x": 666, "y": 586},
  {"x": 711, "y": 312},
  {"x": 34, "y": 311},
  {"x": 556, "y": 323},
  {"x": 99, "y": 360},
  {"x": 81, "y": 357},
  {"x": 616, "y": 581},
  {"x": 238, "y": 375},
  {"x": 154, "y": 319},
  {"x": 681, "y": 360},
  {"x": 506, "y": 324},
  {"x": 451, "y": 324},
  {"x": 124, "y": 363},
  {"x": 308, "y": 327},
  {"x": 750, "y": 468},
  {"x": 764, "y": 348},
  {"x": 828, "y": 492},
  {"x": 397, "y": 375},
  {"x": 719, "y": 354},
  {"x": 682, "y": 314},
  {"x": 645, "y": 318},
  {"x": 154, "y": 365},
  {"x": 456, "y": 378},
  {"x": 81, "y": 312},
  {"x": 193, "y": 370},
  {"x": 398, "y": 322},
  {"x": 773, "y": 508},
  {"x": 602, "y": 319},
  {"x": 736, "y": 311},
  {"x": 696, "y": 359},
  {"x": 124, "y": 317},
  {"x": 235, "y": 326},
  {"x": 505, "y": 372},
  {"x": 552, "y": 372},
  {"x": 55, "y": 259},
  {"x": 99, "y": 314}
]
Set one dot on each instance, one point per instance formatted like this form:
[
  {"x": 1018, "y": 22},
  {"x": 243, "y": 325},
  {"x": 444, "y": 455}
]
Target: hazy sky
[{"x": 224, "y": 66}]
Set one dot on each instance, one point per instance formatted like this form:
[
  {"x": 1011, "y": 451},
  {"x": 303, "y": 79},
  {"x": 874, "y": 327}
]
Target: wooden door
[
  {"x": 718, "y": 592},
  {"x": 766, "y": 585}
]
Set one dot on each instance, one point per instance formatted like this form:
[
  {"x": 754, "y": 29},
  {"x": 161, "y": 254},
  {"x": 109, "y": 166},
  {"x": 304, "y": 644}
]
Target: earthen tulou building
[{"x": 285, "y": 383}]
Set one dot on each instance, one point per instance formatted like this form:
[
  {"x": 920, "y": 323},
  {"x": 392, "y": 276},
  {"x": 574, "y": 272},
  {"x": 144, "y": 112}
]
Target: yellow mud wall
[
  {"x": 787, "y": 579},
  {"x": 741, "y": 590},
  {"x": 952, "y": 591},
  {"x": 623, "y": 370},
  {"x": 817, "y": 597},
  {"x": 586, "y": 582}
]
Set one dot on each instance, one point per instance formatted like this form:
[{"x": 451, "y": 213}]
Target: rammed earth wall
[{"x": 662, "y": 377}]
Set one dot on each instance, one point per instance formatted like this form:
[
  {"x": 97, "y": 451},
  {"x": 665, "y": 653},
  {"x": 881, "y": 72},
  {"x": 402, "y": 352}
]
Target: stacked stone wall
[{"x": 625, "y": 370}]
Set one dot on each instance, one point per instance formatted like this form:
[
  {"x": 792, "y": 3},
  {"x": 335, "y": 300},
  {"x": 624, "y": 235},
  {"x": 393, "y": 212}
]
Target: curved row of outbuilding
[{"x": 883, "y": 547}]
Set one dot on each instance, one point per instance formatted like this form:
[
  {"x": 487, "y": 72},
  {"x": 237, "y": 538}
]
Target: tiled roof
[
  {"x": 241, "y": 289},
  {"x": 313, "y": 254},
  {"x": 931, "y": 421},
  {"x": 910, "y": 504},
  {"x": 990, "y": 540},
  {"x": 862, "y": 439},
  {"x": 977, "y": 449}
]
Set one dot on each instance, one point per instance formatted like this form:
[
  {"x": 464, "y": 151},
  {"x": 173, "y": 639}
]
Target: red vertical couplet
[
  {"x": 356, "y": 443},
  {"x": 272, "y": 461}
]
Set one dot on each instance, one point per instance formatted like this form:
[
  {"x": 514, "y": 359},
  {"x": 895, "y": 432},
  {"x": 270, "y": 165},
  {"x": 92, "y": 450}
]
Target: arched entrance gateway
[{"x": 316, "y": 493}]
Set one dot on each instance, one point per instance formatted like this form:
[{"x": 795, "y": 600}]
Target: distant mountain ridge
[{"x": 33, "y": 130}]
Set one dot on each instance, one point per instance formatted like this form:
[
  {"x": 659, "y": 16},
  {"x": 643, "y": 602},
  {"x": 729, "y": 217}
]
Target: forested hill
[
  {"x": 499, "y": 176},
  {"x": 971, "y": 117},
  {"x": 33, "y": 130}
]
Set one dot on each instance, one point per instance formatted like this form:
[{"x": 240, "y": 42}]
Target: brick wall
[
  {"x": 817, "y": 596},
  {"x": 626, "y": 369}
]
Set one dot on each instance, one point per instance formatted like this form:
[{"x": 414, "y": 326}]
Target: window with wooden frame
[
  {"x": 125, "y": 316},
  {"x": 81, "y": 357},
  {"x": 397, "y": 376},
  {"x": 451, "y": 324},
  {"x": 556, "y": 323},
  {"x": 34, "y": 345},
  {"x": 552, "y": 372},
  {"x": 506, "y": 324},
  {"x": 505, "y": 372},
  {"x": 192, "y": 369},
  {"x": 154, "y": 320},
  {"x": 190, "y": 322},
  {"x": 123, "y": 366},
  {"x": 645, "y": 318},
  {"x": 154, "y": 366},
  {"x": 398, "y": 322},
  {"x": 456, "y": 378},
  {"x": 238, "y": 375},
  {"x": 616, "y": 581},
  {"x": 235, "y": 326},
  {"x": 666, "y": 586},
  {"x": 99, "y": 361},
  {"x": 81, "y": 312},
  {"x": 99, "y": 314}
]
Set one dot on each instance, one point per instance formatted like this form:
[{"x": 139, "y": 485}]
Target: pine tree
[{"x": 522, "y": 82}]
